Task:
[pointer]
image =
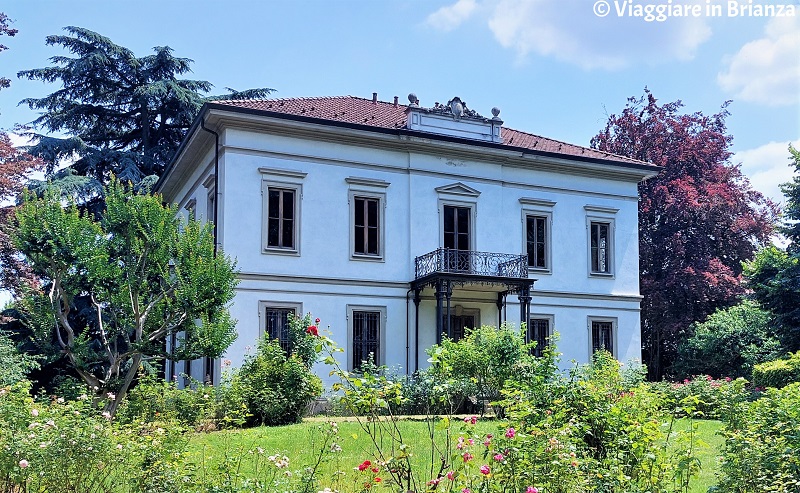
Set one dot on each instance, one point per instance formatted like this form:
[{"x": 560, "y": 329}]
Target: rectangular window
[
  {"x": 208, "y": 371},
  {"x": 281, "y": 218},
  {"x": 537, "y": 241},
  {"x": 459, "y": 325},
  {"x": 539, "y": 332},
  {"x": 366, "y": 226},
  {"x": 456, "y": 227},
  {"x": 600, "y": 247},
  {"x": 277, "y": 325},
  {"x": 457, "y": 238},
  {"x": 366, "y": 337},
  {"x": 602, "y": 335},
  {"x": 173, "y": 369}
]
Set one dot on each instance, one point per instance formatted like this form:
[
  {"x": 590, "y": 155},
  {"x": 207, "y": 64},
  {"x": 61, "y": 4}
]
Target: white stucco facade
[{"x": 413, "y": 178}]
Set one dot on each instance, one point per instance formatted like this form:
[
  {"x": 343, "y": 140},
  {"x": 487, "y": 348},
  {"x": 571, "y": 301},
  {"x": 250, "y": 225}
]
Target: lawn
[{"x": 302, "y": 442}]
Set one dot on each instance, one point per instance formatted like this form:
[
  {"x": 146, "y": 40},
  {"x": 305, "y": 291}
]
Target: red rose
[{"x": 312, "y": 329}]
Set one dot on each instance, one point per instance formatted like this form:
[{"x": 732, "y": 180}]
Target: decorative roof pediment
[{"x": 458, "y": 188}]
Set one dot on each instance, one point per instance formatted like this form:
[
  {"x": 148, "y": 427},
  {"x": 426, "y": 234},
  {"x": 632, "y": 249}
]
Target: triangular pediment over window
[{"x": 458, "y": 189}]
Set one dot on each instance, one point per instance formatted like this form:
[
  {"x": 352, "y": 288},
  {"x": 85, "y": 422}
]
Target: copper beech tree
[
  {"x": 146, "y": 274},
  {"x": 699, "y": 219}
]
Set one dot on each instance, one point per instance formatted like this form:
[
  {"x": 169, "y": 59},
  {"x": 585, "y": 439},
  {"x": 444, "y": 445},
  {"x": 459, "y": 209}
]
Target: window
[
  {"x": 366, "y": 335},
  {"x": 602, "y": 335},
  {"x": 281, "y": 218},
  {"x": 274, "y": 318},
  {"x": 537, "y": 220},
  {"x": 600, "y": 227},
  {"x": 539, "y": 330},
  {"x": 277, "y": 326},
  {"x": 281, "y": 192},
  {"x": 366, "y": 226},
  {"x": 367, "y": 199},
  {"x": 536, "y": 227},
  {"x": 600, "y": 247},
  {"x": 461, "y": 319},
  {"x": 173, "y": 345},
  {"x": 208, "y": 370},
  {"x": 456, "y": 227},
  {"x": 457, "y": 238}
]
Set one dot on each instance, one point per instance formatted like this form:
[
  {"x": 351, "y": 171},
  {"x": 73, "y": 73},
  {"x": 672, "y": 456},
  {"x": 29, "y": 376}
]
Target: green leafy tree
[
  {"x": 123, "y": 115},
  {"x": 729, "y": 343},
  {"x": 774, "y": 274},
  {"x": 5, "y": 30},
  {"x": 145, "y": 275},
  {"x": 15, "y": 364}
]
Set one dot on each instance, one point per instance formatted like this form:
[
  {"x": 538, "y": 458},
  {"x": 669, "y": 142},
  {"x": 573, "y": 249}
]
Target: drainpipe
[{"x": 216, "y": 179}]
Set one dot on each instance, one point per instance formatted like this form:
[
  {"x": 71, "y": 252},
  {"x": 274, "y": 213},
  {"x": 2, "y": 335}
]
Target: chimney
[
  {"x": 374, "y": 98},
  {"x": 395, "y": 102}
]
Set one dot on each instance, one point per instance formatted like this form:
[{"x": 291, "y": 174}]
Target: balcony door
[{"x": 457, "y": 237}]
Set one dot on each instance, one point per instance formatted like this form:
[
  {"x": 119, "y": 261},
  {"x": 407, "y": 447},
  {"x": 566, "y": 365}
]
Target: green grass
[
  {"x": 302, "y": 443},
  {"x": 708, "y": 448}
]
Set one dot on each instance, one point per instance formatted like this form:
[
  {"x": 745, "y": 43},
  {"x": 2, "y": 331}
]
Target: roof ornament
[
  {"x": 414, "y": 100},
  {"x": 495, "y": 113},
  {"x": 456, "y": 108}
]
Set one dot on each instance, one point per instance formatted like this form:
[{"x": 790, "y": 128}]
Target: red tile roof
[{"x": 361, "y": 111}]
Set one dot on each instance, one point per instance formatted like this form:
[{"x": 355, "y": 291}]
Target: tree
[
  {"x": 146, "y": 276},
  {"x": 15, "y": 166},
  {"x": 729, "y": 343},
  {"x": 774, "y": 275},
  {"x": 5, "y": 30},
  {"x": 123, "y": 115},
  {"x": 698, "y": 219}
]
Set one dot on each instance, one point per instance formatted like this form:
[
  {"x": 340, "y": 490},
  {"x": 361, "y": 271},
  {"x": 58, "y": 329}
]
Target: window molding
[
  {"x": 367, "y": 188},
  {"x": 262, "y": 312},
  {"x": 596, "y": 214},
  {"x": 550, "y": 329},
  {"x": 614, "y": 333},
  {"x": 381, "y": 356},
  {"x": 461, "y": 201},
  {"x": 533, "y": 207},
  {"x": 280, "y": 179}
]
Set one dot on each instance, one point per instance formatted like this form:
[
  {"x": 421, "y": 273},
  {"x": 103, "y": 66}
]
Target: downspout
[
  {"x": 216, "y": 179},
  {"x": 408, "y": 331}
]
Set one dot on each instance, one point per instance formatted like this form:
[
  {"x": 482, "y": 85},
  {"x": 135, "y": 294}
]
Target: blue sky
[{"x": 553, "y": 67}]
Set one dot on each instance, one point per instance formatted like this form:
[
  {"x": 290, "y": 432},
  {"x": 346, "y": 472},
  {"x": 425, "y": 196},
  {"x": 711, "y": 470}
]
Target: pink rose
[
  {"x": 511, "y": 433},
  {"x": 485, "y": 469}
]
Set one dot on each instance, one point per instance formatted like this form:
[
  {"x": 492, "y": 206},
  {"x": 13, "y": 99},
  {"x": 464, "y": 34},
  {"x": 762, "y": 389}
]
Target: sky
[{"x": 557, "y": 68}]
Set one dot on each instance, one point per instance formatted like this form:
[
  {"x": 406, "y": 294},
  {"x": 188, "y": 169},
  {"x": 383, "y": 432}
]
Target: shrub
[
  {"x": 15, "y": 364},
  {"x": 762, "y": 450},
  {"x": 778, "y": 373},
  {"x": 65, "y": 446},
  {"x": 198, "y": 406},
  {"x": 702, "y": 396},
  {"x": 276, "y": 389},
  {"x": 729, "y": 343},
  {"x": 486, "y": 356}
]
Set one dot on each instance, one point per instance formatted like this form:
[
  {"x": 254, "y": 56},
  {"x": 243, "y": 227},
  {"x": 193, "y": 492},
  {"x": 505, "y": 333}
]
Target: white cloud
[
  {"x": 767, "y": 70},
  {"x": 570, "y": 31},
  {"x": 767, "y": 167},
  {"x": 450, "y": 17}
]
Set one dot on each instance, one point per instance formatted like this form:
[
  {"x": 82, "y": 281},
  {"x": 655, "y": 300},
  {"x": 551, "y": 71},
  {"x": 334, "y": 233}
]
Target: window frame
[
  {"x": 370, "y": 189},
  {"x": 550, "y": 330},
  {"x": 263, "y": 305},
  {"x": 473, "y": 212},
  {"x": 601, "y": 215},
  {"x": 460, "y": 311},
  {"x": 613, "y": 336},
  {"x": 533, "y": 207},
  {"x": 281, "y": 179},
  {"x": 351, "y": 310}
]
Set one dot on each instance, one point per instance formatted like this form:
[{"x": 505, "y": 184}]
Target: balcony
[{"x": 467, "y": 267}]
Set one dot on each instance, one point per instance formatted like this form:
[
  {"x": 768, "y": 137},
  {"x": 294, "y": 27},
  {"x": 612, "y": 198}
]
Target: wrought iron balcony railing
[{"x": 448, "y": 261}]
